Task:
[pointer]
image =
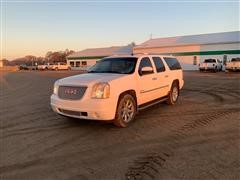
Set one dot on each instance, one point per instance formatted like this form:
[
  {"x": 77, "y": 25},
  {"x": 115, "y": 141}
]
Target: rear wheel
[
  {"x": 174, "y": 93},
  {"x": 126, "y": 111}
]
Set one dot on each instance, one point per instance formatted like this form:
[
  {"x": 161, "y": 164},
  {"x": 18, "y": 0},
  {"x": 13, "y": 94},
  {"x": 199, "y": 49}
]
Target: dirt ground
[{"x": 198, "y": 138}]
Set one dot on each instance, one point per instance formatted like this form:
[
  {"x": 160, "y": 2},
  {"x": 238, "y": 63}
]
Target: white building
[
  {"x": 190, "y": 50},
  {"x": 84, "y": 59}
]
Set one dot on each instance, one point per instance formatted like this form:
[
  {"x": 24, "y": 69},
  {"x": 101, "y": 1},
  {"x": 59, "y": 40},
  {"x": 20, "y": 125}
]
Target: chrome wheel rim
[
  {"x": 174, "y": 94},
  {"x": 127, "y": 110}
]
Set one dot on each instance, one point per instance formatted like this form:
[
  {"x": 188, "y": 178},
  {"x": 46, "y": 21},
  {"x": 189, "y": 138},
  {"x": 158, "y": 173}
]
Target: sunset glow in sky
[{"x": 34, "y": 28}]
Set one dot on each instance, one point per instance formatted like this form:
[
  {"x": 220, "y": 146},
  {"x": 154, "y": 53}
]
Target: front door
[{"x": 147, "y": 82}]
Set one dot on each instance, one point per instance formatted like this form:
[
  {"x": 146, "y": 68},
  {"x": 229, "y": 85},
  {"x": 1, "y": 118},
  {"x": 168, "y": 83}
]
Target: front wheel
[
  {"x": 126, "y": 111},
  {"x": 173, "y": 94}
]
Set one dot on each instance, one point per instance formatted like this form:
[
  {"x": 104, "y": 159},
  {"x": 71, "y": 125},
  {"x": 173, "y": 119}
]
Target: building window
[
  {"x": 72, "y": 63},
  {"x": 84, "y": 63},
  {"x": 77, "y": 63},
  {"x": 194, "y": 60}
]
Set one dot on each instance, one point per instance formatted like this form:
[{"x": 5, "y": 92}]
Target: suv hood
[{"x": 89, "y": 79}]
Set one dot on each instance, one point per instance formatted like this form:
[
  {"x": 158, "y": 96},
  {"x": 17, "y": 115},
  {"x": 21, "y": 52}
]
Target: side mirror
[{"x": 146, "y": 70}]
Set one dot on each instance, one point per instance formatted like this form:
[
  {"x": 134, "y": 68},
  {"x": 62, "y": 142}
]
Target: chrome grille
[{"x": 71, "y": 92}]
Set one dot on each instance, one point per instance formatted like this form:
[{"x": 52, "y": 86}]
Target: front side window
[
  {"x": 159, "y": 64},
  {"x": 145, "y": 62},
  {"x": 119, "y": 65},
  {"x": 172, "y": 63}
]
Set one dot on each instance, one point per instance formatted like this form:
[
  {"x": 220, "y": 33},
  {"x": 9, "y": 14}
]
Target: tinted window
[
  {"x": 172, "y": 63},
  {"x": 145, "y": 62},
  {"x": 159, "y": 64},
  {"x": 120, "y": 65}
]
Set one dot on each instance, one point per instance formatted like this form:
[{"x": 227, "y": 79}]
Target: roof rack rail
[{"x": 153, "y": 54}]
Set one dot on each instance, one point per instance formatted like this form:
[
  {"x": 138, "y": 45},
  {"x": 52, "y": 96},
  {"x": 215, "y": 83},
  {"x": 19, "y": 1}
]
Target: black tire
[
  {"x": 173, "y": 94},
  {"x": 126, "y": 111}
]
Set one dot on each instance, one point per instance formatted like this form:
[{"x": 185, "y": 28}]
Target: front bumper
[
  {"x": 233, "y": 68},
  {"x": 207, "y": 68},
  {"x": 87, "y": 108}
]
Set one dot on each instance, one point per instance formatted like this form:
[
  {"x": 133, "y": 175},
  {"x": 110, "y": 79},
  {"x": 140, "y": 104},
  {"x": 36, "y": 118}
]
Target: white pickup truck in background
[
  {"x": 59, "y": 66},
  {"x": 211, "y": 65},
  {"x": 233, "y": 65}
]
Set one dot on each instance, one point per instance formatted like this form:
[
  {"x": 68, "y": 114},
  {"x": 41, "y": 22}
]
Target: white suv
[{"x": 116, "y": 87}]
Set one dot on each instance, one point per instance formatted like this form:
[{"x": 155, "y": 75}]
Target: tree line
[{"x": 50, "y": 57}]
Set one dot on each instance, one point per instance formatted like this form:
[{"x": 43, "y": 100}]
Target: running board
[{"x": 149, "y": 104}]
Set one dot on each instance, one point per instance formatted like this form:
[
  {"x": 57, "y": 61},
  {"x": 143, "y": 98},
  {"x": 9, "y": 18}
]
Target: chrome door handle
[{"x": 154, "y": 78}]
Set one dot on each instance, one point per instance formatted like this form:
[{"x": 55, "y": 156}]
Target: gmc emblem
[{"x": 70, "y": 91}]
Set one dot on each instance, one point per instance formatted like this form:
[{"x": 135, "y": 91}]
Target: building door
[{"x": 224, "y": 60}]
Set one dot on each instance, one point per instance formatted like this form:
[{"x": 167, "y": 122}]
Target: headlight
[
  {"x": 55, "y": 89},
  {"x": 101, "y": 91}
]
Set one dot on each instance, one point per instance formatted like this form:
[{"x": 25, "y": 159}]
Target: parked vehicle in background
[
  {"x": 233, "y": 65},
  {"x": 26, "y": 67},
  {"x": 214, "y": 65},
  {"x": 117, "y": 87},
  {"x": 59, "y": 66},
  {"x": 45, "y": 66},
  {"x": 23, "y": 67}
]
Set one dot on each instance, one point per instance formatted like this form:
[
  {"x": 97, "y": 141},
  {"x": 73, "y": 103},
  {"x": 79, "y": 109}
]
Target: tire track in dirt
[
  {"x": 149, "y": 165},
  {"x": 219, "y": 96}
]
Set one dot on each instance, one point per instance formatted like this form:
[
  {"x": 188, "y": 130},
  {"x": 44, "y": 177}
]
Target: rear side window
[
  {"x": 159, "y": 64},
  {"x": 172, "y": 63}
]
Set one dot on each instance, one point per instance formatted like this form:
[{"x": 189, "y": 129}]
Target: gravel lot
[{"x": 198, "y": 138}]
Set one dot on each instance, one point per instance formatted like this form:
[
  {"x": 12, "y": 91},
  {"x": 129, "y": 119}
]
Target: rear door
[
  {"x": 162, "y": 76},
  {"x": 147, "y": 83}
]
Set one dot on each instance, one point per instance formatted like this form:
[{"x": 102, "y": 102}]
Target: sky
[{"x": 34, "y": 27}]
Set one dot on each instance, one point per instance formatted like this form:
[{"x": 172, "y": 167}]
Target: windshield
[
  {"x": 210, "y": 60},
  {"x": 120, "y": 65},
  {"x": 235, "y": 60}
]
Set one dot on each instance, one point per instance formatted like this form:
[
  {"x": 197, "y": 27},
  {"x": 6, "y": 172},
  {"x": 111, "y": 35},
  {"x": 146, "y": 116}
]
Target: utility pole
[{"x": 151, "y": 36}]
